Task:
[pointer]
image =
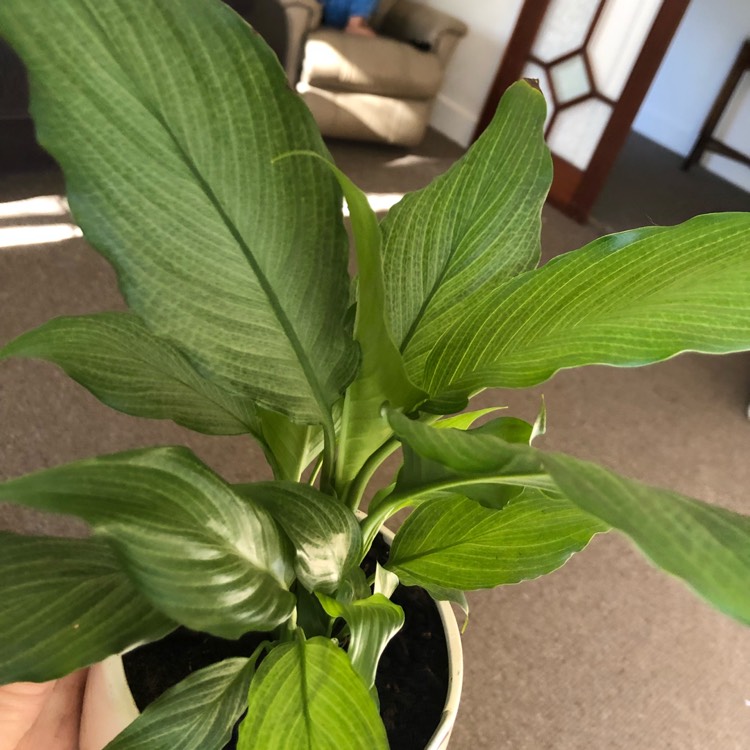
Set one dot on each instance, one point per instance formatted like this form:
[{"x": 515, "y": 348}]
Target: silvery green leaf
[
  {"x": 372, "y": 623},
  {"x": 198, "y": 552},
  {"x": 324, "y": 533},
  {"x": 198, "y": 713},
  {"x": 66, "y": 603},
  {"x": 385, "y": 582}
]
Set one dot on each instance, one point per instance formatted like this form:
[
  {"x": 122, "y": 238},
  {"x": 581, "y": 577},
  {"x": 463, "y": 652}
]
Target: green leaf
[
  {"x": 382, "y": 376},
  {"x": 66, "y": 603},
  {"x": 166, "y": 122},
  {"x": 452, "y": 542},
  {"x": 627, "y": 299},
  {"x": 292, "y": 445},
  {"x": 124, "y": 365},
  {"x": 324, "y": 533},
  {"x": 466, "y": 419},
  {"x": 372, "y": 623},
  {"x": 440, "y": 459},
  {"x": 449, "y": 246},
  {"x": 418, "y": 470},
  {"x": 196, "y": 714},
  {"x": 311, "y": 617},
  {"x": 705, "y": 546},
  {"x": 307, "y": 695},
  {"x": 446, "y": 403},
  {"x": 454, "y": 596},
  {"x": 512, "y": 430},
  {"x": 200, "y": 554},
  {"x": 385, "y": 582},
  {"x": 354, "y": 586}
]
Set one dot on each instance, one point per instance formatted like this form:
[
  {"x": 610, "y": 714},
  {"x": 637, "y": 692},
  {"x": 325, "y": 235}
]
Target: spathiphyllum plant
[{"x": 201, "y": 177}]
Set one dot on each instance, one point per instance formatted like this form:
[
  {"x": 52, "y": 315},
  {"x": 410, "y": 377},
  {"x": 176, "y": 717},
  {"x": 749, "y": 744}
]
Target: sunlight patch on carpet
[
  {"x": 34, "y": 234},
  {"x": 40, "y": 205},
  {"x": 379, "y": 202}
]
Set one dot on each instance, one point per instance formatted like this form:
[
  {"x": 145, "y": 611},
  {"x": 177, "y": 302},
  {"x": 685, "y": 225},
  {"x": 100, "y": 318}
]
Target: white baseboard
[{"x": 453, "y": 120}]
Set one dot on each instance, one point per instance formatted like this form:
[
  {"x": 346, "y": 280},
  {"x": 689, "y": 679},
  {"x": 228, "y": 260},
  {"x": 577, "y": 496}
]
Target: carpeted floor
[{"x": 605, "y": 653}]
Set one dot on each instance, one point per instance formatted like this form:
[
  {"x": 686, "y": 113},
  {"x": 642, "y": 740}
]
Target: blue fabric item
[{"x": 337, "y": 13}]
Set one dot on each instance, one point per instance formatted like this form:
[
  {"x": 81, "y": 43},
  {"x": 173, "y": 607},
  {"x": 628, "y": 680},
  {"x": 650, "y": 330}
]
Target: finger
[
  {"x": 20, "y": 705},
  {"x": 57, "y": 726}
]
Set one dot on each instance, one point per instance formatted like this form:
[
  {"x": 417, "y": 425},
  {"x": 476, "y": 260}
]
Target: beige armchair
[{"x": 371, "y": 88}]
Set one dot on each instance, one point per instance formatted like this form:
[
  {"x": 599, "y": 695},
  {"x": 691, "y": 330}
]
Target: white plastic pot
[
  {"x": 441, "y": 738},
  {"x": 108, "y": 706}
]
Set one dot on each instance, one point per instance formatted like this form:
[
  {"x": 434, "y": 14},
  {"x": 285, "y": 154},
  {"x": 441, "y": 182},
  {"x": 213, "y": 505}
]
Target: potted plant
[{"x": 201, "y": 177}]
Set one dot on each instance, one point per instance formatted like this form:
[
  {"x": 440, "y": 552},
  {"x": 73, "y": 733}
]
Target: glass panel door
[{"x": 594, "y": 60}]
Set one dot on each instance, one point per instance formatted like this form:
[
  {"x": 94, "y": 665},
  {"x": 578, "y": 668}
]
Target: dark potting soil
[{"x": 412, "y": 678}]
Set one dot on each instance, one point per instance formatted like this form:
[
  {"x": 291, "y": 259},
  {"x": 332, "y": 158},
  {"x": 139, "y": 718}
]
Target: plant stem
[
  {"x": 355, "y": 490},
  {"x": 329, "y": 459},
  {"x": 371, "y": 525},
  {"x": 316, "y": 471},
  {"x": 286, "y": 631}
]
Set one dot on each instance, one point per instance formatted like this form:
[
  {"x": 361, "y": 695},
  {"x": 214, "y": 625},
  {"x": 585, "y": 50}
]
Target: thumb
[{"x": 20, "y": 706}]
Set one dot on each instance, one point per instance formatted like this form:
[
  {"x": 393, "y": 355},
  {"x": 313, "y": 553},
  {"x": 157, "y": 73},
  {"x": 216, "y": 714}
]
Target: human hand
[
  {"x": 42, "y": 715},
  {"x": 359, "y": 25}
]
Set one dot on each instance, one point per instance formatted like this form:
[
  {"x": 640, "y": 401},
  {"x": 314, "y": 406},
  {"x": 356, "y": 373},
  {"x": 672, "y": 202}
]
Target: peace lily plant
[{"x": 195, "y": 170}]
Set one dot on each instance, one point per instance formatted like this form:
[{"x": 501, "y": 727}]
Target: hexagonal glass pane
[{"x": 570, "y": 79}]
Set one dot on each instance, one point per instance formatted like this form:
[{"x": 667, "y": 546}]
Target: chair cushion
[
  {"x": 365, "y": 117},
  {"x": 339, "y": 61}
]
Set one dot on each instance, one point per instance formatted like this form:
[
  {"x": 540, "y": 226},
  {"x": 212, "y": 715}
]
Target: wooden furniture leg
[{"x": 706, "y": 140}]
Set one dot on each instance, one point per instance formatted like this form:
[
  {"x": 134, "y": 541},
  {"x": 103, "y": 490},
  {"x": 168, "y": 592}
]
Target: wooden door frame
[{"x": 573, "y": 191}]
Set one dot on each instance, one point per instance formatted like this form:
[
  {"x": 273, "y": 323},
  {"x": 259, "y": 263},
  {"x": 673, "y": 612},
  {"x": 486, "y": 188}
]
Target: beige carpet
[{"x": 605, "y": 653}]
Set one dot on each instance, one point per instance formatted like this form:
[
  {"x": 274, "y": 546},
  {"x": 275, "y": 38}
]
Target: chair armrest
[
  {"x": 302, "y": 17},
  {"x": 413, "y": 22}
]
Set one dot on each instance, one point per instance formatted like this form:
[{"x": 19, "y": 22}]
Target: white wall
[
  {"x": 691, "y": 75},
  {"x": 472, "y": 69}
]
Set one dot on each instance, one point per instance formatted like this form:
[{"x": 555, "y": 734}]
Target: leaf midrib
[
  {"x": 425, "y": 304},
  {"x": 273, "y": 300},
  {"x": 301, "y": 652}
]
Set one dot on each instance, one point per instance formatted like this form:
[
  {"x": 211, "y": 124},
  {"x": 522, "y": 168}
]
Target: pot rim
[{"x": 440, "y": 737}]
